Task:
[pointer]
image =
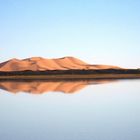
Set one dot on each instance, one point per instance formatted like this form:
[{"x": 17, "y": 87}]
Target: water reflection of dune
[{"x": 39, "y": 87}]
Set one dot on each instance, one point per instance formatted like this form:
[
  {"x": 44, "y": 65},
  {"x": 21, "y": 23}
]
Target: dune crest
[{"x": 42, "y": 64}]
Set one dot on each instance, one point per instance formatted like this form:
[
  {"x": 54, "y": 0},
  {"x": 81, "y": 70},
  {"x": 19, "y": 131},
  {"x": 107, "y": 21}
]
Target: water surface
[{"x": 60, "y": 110}]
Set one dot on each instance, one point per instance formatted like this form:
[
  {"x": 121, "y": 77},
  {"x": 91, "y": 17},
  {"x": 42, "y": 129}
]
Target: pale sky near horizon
[{"x": 96, "y": 31}]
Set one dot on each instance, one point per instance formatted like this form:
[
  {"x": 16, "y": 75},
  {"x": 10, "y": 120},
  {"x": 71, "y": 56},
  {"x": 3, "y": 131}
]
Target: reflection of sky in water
[{"x": 100, "y": 112}]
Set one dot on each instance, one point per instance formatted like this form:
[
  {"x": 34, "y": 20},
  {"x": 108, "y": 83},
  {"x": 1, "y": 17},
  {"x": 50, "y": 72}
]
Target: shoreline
[{"x": 70, "y": 77}]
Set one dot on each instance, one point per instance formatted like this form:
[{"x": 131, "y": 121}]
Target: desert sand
[{"x": 42, "y": 64}]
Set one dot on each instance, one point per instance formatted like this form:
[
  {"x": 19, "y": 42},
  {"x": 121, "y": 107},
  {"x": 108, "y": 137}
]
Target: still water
[{"x": 68, "y": 110}]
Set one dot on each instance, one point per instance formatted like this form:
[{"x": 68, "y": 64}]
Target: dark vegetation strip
[
  {"x": 72, "y": 72},
  {"x": 71, "y": 77},
  {"x": 63, "y": 72}
]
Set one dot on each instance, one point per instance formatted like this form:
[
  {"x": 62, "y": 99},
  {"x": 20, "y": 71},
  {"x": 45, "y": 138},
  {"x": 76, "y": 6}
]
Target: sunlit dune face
[
  {"x": 40, "y": 87},
  {"x": 42, "y": 64}
]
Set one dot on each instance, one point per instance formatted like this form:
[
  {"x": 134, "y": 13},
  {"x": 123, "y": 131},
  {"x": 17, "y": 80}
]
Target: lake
[{"x": 70, "y": 110}]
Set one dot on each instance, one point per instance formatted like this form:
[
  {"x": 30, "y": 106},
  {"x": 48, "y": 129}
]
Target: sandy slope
[{"x": 41, "y": 64}]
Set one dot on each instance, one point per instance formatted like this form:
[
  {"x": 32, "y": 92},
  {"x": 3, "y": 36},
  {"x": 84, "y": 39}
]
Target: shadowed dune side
[{"x": 39, "y": 87}]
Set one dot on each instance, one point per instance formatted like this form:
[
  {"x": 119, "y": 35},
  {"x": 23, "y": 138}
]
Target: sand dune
[
  {"x": 42, "y": 64},
  {"x": 39, "y": 87}
]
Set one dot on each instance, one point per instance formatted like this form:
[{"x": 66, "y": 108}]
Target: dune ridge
[{"x": 42, "y": 64}]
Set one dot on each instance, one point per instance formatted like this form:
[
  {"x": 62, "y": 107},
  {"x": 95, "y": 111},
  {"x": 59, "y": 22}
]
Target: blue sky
[{"x": 97, "y": 31}]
